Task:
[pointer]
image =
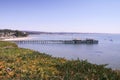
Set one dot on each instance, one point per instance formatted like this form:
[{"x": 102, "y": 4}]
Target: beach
[{"x": 17, "y": 38}]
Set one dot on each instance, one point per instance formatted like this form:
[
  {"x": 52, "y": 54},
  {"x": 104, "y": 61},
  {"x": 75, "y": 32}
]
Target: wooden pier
[{"x": 87, "y": 41}]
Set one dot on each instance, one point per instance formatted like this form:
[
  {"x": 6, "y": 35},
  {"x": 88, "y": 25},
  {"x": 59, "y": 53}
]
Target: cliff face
[{"x": 6, "y": 33}]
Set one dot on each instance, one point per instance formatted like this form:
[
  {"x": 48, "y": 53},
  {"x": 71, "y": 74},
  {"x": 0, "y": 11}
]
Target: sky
[{"x": 86, "y": 16}]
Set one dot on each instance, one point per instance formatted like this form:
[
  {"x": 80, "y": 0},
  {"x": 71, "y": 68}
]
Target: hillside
[
  {"x": 6, "y": 33},
  {"x": 25, "y": 64}
]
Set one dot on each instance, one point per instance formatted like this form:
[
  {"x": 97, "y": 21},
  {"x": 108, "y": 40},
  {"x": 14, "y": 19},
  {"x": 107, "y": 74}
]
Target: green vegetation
[
  {"x": 12, "y": 33},
  {"x": 24, "y": 64},
  {"x": 20, "y": 34}
]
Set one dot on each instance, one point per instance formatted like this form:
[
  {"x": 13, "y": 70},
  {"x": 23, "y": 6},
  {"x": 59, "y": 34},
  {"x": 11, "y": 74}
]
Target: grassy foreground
[{"x": 24, "y": 64}]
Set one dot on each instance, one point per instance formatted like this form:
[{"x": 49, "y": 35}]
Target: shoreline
[{"x": 17, "y": 38}]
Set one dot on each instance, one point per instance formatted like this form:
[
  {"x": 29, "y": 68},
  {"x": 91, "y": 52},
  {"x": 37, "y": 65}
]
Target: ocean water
[{"x": 107, "y": 51}]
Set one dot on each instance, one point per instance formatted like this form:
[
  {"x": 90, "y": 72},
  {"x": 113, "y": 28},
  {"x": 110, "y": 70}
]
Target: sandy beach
[{"x": 14, "y": 39}]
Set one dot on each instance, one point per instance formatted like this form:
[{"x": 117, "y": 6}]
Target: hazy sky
[{"x": 102, "y": 16}]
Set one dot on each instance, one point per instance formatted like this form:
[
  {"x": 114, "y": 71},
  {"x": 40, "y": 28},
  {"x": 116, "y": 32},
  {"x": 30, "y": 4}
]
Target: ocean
[{"x": 107, "y": 51}]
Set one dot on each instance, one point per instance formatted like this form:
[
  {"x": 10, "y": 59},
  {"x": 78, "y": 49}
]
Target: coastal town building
[{"x": 6, "y": 34}]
